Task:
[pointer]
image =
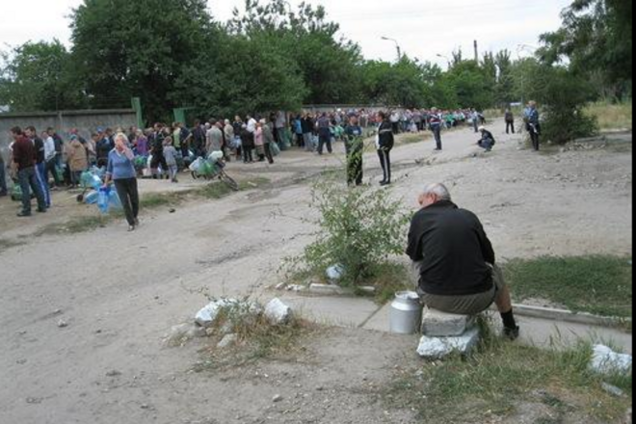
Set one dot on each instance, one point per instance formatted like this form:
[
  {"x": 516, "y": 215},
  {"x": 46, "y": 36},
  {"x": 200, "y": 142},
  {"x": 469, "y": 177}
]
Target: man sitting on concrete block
[{"x": 458, "y": 274}]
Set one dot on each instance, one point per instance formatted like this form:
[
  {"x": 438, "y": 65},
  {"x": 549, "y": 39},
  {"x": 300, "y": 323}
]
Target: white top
[{"x": 49, "y": 149}]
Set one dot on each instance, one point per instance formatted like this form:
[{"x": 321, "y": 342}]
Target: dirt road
[{"x": 120, "y": 293}]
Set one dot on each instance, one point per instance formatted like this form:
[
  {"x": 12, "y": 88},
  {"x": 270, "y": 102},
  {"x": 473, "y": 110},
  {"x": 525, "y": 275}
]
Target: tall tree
[
  {"x": 596, "y": 39},
  {"x": 329, "y": 65},
  {"x": 39, "y": 77},
  {"x": 139, "y": 48}
]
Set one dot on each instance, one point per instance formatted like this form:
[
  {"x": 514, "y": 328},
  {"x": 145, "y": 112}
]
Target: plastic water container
[{"x": 406, "y": 313}]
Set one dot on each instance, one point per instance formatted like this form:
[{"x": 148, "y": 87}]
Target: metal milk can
[{"x": 406, "y": 313}]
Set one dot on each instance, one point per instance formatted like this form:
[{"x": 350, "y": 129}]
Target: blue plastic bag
[
  {"x": 103, "y": 200},
  {"x": 92, "y": 198},
  {"x": 113, "y": 200}
]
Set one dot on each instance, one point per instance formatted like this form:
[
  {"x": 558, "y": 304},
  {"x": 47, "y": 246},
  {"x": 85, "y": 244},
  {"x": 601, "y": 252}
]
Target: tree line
[{"x": 173, "y": 53}]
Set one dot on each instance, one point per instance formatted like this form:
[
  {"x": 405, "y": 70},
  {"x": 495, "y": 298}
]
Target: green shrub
[{"x": 359, "y": 229}]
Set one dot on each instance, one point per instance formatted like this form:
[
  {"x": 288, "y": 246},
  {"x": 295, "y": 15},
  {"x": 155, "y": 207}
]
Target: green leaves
[
  {"x": 596, "y": 37},
  {"x": 39, "y": 77},
  {"x": 359, "y": 228}
]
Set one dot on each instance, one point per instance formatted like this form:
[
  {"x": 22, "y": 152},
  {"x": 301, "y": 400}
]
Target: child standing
[{"x": 170, "y": 153}]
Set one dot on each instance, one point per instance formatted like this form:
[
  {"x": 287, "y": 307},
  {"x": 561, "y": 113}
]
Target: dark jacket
[
  {"x": 39, "y": 150},
  {"x": 510, "y": 117},
  {"x": 24, "y": 153},
  {"x": 247, "y": 139},
  {"x": 485, "y": 135},
  {"x": 385, "y": 135},
  {"x": 307, "y": 125},
  {"x": 453, "y": 251}
]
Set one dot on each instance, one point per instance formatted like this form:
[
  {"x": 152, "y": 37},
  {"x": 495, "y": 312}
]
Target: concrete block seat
[
  {"x": 441, "y": 324},
  {"x": 445, "y": 334}
]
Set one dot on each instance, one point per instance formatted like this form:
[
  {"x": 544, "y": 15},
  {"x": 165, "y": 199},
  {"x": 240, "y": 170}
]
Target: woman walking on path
[
  {"x": 384, "y": 144},
  {"x": 121, "y": 170}
]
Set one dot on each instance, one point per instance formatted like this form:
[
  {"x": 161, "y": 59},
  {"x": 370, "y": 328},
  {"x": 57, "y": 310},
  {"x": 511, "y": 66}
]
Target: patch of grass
[
  {"x": 158, "y": 200},
  {"x": 6, "y": 244},
  {"x": 499, "y": 375},
  {"x": 257, "y": 340},
  {"x": 411, "y": 138},
  {"x": 388, "y": 278},
  {"x": 599, "y": 285},
  {"x": 79, "y": 225},
  {"x": 612, "y": 116}
]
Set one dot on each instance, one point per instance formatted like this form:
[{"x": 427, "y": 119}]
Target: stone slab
[
  {"x": 434, "y": 348},
  {"x": 440, "y": 324}
]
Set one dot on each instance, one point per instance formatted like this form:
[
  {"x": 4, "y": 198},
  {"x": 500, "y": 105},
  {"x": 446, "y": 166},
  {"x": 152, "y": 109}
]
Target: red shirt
[{"x": 23, "y": 153}]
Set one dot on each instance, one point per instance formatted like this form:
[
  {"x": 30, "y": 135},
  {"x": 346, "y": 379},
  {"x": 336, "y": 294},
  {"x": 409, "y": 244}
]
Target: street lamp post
[
  {"x": 397, "y": 45},
  {"x": 447, "y": 59}
]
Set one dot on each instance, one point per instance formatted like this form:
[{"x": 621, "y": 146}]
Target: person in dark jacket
[
  {"x": 510, "y": 121},
  {"x": 307, "y": 124},
  {"x": 435, "y": 124},
  {"x": 24, "y": 157},
  {"x": 487, "y": 140},
  {"x": 384, "y": 145},
  {"x": 324, "y": 133},
  {"x": 247, "y": 144},
  {"x": 458, "y": 274},
  {"x": 158, "y": 159}
]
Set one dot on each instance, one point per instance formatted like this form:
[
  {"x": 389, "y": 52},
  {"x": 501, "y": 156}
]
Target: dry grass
[
  {"x": 257, "y": 339},
  {"x": 612, "y": 116},
  {"x": 489, "y": 385}
]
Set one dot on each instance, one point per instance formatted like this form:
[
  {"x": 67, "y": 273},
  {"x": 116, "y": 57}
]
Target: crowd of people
[{"x": 162, "y": 151}]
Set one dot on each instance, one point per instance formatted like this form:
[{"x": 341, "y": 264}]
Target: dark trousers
[
  {"x": 3, "y": 177},
  {"x": 51, "y": 168},
  {"x": 509, "y": 126},
  {"x": 128, "y": 193},
  {"x": 354, "y": 165},
  {"x": 158, "y": 160},
  {"x": 437, "y": 133},
  {"x": 268, "y": 152},
  {"x": 29, "y": 182},
  {"x": 395, "y": 126},
  {"x": 324, "y": 139},
  {"x": 247, "y": 155},
  {"x": 535, "y": 131},
  {"x": 300, "y": 140},
  {"x": 385, "y": 161}
]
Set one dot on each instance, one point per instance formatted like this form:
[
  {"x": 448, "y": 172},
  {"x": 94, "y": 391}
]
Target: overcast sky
[{"x": 424, "y": 29}]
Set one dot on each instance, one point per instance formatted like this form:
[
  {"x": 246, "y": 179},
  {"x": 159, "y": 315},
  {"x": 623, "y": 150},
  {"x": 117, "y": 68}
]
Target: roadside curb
[{"x": 568, "y": 316}]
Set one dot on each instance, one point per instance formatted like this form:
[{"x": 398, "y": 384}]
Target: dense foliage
[{"x": 270, "y": 56}]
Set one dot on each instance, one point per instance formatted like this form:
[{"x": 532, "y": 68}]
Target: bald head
[{"x": 434, "y": 193}]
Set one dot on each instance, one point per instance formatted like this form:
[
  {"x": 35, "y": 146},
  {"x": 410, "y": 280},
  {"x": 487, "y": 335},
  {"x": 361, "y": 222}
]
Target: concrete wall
[
  {"x": 331, "y": 108},
  {"x": 86, "y": 121}
]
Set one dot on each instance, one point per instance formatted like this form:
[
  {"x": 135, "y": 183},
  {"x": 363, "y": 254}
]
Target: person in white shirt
[{"x": 251, "y": 124}]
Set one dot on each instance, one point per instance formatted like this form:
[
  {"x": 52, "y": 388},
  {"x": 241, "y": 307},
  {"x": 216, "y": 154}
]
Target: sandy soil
[{"x": 120, "y": 293}]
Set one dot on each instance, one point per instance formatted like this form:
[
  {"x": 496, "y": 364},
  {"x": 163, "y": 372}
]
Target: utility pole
[{"x": 476, "y": 52}]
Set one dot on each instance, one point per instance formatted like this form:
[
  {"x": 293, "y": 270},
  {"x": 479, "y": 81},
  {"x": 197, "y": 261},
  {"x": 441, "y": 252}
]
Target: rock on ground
[
  {"x": 606, "y": 361},
  {"x": 441, "y": 347},
  {"x": 277, "y": 312}
]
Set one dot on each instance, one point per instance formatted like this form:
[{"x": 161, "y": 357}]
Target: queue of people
[{"x": 162, "y": 151}]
